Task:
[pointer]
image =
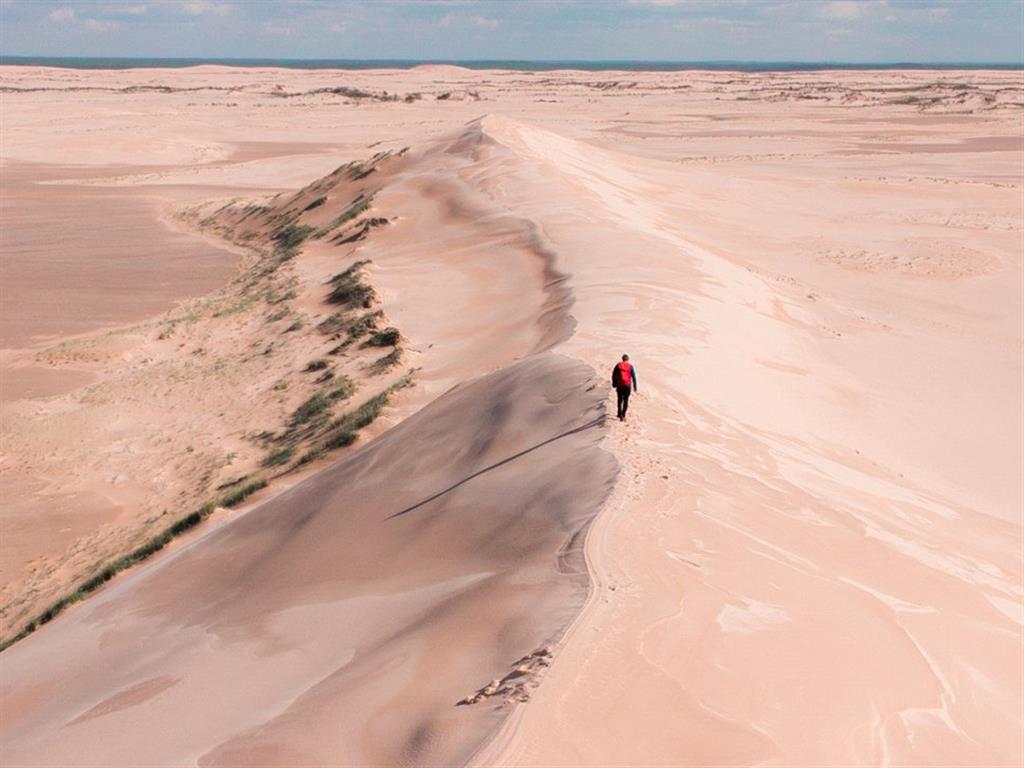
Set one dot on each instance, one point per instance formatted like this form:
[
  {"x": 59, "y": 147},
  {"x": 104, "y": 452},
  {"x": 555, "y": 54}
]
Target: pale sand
[
  {"x": 416, "y": 593},
  {"x": 813, "y": 554}
]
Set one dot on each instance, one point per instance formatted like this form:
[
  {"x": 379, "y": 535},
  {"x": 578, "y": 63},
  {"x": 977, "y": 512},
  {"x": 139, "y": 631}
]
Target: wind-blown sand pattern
[{"x": 811, "y": 554}]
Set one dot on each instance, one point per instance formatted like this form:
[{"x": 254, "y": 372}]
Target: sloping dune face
[
  {"x": 814, "y": 557},
  {"x": 340, "y": 622}
]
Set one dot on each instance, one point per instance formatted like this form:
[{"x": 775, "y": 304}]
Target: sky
[{"x": 924, "y": 31}]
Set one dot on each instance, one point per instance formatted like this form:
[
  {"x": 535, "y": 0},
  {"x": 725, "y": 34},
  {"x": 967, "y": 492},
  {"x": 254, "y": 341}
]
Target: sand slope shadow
[{"x": 325, "y": 628}]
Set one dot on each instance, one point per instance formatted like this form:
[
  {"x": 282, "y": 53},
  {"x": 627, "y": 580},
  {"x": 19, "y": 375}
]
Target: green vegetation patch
[
  {"x": 278, "y": 456},
  {"x": 389, "y": 337},
  {"x": 386, "y": 363},
  {"x": 350, "y": 290},
  {"x": 290, "y": 237},
  {"x": 353, "y": 328},
  {"x": 336, "y": 323},
  {"x": 358, "y": 206},
  {"x": 237, "y": 495},
  {"x": 344, "y": 430},
  {"x": 321, "y": 401}
]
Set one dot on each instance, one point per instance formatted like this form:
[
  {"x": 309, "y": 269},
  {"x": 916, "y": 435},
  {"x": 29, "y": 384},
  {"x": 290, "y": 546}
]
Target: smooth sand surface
[
  {"x": 79, "y": 258},
  {"x": 812, "y": 554},
  {"x": 417, "y": 591}
]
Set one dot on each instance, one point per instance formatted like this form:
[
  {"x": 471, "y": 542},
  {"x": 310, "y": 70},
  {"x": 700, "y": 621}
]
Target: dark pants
[{"x": 623, "y": 393}]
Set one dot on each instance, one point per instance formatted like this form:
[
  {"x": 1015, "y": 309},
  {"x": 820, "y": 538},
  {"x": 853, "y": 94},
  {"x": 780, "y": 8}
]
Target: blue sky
[{"x": 677, "y": 30}]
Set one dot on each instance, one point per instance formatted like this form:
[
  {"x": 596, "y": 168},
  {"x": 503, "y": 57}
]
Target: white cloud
[
  {"x": 339, "y": 28},
  {"x": 67, "y": 15},
  {"x": 732, "y": 25},
  {"x": 480, "y": 21},
  {"x": 133, "y": 10},
  {"x": 662, "y": 3},
  {"x": 98, "y": 25},
  {"x": 201, "y": 7},
  {"x": 273, "y": 28},
  {"x": 780, "y": 9},
  {"x": 841, "y": 9},
  {"x": 850, "y": 9},
  {"x": 62, "y": 14}
]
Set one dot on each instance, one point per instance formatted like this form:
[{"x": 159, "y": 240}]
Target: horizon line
[{"x": 605, "y": 63}]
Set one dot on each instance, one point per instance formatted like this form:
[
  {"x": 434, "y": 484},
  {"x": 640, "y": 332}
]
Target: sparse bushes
[
  {"x": 360, "y": 171},
  {"x": 363, "y": 324},
  {"x": 349, "y": 288},
  {"x": 235, "y": 497},
  {"x": 321, "y": 401},
  {"x": 386, "y": 363},
  {"x": 389, "y": 337},
  {"x": 315, "y": 203},
  {"x": 352, "y": 293},
  {"x": 278, "y": 456},
  {"x": 352, "y": 271},
  {"x": 314, "y": 406},
  {"x": 342, "y": 390},
  {"x": 340, "y": 439},
  {"x": 333, "y": 324},
  {"x": 363, "y": 415},
  {"x": 290, "y": 237},
  {"x": 344, "y": 430},
  {"x": 355, "y": 328},
  {"x": 358, "y": 206},
  {"x": 359, "y": 232}
]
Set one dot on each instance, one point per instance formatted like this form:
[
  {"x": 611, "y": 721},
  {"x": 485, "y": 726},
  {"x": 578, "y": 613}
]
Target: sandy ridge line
[{"x": 600, "y": 580}]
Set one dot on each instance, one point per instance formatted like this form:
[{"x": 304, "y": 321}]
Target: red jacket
[{"x": 624, "y": 375}]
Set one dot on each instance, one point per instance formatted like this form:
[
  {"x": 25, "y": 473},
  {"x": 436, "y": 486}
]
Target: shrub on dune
[
  {"x": 278, "y": 456},
  {"x": 389, "y": 337}
]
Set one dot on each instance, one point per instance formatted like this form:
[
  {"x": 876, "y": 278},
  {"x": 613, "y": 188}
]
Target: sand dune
[
  {"x": 811, "y": 555},
  {"x": 827, "y": 590},
  {"x": 358, "y": 607}
]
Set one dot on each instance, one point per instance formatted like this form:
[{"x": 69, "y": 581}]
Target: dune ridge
[{"x": 481, "y": 539}]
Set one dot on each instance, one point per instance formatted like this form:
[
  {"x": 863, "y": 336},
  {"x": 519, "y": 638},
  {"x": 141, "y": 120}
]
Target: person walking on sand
[{"x": 624, "y": 381}]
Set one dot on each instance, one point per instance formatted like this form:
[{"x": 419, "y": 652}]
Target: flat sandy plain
[{"x": 803, "y": 547}]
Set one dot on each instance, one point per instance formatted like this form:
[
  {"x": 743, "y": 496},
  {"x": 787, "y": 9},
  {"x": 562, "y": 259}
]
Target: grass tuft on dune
[{"x": 359, "y": 205}]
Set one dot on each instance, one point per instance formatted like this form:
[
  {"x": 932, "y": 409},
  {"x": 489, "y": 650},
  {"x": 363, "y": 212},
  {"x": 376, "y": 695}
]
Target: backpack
[{"x": 622, "y": 374}]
